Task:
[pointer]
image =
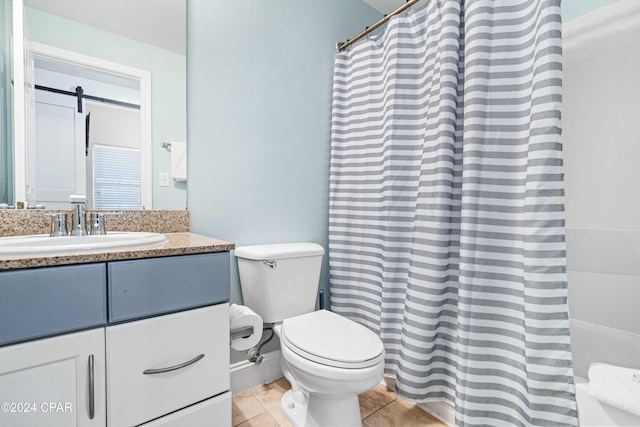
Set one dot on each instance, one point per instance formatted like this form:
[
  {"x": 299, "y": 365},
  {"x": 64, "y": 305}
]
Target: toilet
[{"x": 327, "y": 358}]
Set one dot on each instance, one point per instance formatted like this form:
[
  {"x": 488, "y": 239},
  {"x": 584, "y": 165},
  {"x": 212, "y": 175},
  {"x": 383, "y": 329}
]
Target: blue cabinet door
[{"x": 41, "y": 302}]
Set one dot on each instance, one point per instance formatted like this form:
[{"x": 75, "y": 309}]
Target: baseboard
[
  {"x": 441, "y": 410},
  {"x": 247, "y": 375}
]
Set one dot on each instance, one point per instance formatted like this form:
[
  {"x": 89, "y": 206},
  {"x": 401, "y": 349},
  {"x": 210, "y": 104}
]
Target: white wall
[
  {"x": 601, "y": 138},
  {"x": 259, "y": 117}
]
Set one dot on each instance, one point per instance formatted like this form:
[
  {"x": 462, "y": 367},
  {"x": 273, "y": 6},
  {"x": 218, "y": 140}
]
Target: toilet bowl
[
  {"x": 327, "y": 358},
  {"x": 331, "y": 360}
]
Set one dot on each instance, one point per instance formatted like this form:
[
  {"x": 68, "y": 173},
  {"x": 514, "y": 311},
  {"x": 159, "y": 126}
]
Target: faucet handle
[
  {"x": 59, "y": 225},
  {"x": 58, "y": 222},
  {"x": 97, "y": 224}
]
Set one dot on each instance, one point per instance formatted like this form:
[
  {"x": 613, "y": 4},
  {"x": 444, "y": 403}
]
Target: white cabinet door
[
  {"x": 166, "y": 363},
  {"x": 54, "y": 382}
]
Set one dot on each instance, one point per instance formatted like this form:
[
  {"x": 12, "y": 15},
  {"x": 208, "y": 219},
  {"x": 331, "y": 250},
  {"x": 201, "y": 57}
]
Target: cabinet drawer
[
  {"x": 149, "y": 287},
  {"x": 212, "y": 412},
  {"x": 134, "y": 397},
  {"x": 49, "y": 301}
]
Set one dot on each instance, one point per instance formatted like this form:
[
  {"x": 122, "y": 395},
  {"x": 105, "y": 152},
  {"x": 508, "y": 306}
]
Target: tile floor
[{"x": 260, "y": 407}]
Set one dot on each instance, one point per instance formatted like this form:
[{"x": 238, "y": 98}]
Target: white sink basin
[{"x": 42, "y": 244}]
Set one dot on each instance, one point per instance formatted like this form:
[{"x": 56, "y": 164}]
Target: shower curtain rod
[{"x": 342, "y": 46}]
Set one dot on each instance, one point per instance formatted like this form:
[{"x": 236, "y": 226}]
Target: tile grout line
[
  {"x": 257, "y": 415},
  {"x": 274, "y": 420},
  {"x": 259, "y": 401},
  {"x": 379, "y": 409},
  {"x": 267, "y": 410}
]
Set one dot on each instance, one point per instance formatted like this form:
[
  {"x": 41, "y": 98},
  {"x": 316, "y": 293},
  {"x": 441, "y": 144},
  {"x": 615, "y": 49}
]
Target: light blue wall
[
  {"x": 259, "y": 117},
  {"x": 168, "y": 84},
  {"x": 574, "y": 8}
]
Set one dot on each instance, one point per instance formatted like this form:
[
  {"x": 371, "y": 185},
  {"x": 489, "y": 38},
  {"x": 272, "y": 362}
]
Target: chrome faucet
[{"x": 78, "y": 215}]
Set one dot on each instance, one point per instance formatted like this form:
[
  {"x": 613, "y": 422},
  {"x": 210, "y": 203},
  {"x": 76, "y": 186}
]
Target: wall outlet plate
[{"x": 164, "y": 179}]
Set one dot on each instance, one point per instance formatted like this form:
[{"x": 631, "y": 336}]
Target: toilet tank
[{"x": 281, "y": 280}]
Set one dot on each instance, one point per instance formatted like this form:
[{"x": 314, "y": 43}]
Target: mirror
[{"x": 131, "y": 51}]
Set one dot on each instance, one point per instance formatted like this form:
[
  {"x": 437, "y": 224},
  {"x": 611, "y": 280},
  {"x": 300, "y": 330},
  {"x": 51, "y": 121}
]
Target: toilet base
[
  {"x": 321, "y": 411},
  {"x": 296, "y": 413}
]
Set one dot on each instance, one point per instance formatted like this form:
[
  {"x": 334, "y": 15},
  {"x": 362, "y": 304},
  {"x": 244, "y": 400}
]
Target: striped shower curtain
[{"x": 446, "y": 222}]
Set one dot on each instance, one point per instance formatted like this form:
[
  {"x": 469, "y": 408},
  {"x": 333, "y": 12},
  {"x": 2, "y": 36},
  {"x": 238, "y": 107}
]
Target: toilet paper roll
[{"x": 239, "y": 317}]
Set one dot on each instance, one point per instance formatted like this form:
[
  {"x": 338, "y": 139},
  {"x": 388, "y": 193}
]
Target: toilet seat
[{"x": 330, "y": 339}]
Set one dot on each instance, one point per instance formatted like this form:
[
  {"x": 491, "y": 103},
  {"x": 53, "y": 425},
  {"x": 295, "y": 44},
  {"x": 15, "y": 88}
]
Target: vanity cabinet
[
  {"x": 155, "y": 330},
  {"x": 54, "y": 382}
]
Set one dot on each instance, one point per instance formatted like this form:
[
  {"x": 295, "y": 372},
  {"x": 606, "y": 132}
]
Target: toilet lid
[{"x": 330, "y": 339}]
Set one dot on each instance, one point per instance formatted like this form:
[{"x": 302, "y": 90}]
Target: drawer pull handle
[
  {"x": 173, "y": 368},
  {"x": 92, "y": 396}
]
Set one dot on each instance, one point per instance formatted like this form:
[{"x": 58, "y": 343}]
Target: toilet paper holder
[{"x": 242, "y": 332}]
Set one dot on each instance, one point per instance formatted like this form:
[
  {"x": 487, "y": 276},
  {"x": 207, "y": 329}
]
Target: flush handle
[{"x": 270, "y": 264}]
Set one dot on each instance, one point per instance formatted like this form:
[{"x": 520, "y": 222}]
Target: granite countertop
[{"x": 176, "y": 244}]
